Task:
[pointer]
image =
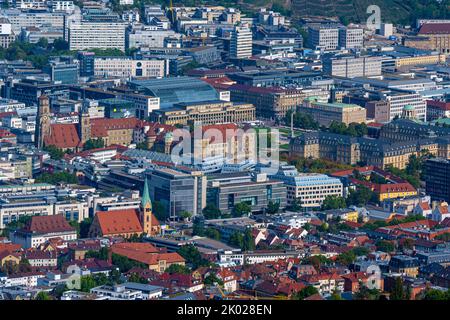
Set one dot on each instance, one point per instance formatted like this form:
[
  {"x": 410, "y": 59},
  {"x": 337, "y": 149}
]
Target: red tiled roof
[
  {"x": 10, "y": 247},
  {"x": 445, "y": 223},
  {"x": 63, "y": 136},
  {"x": 425, "y": 205},
  {"x": 48, "y": 224},
  {"x": 39, "y": 254},
  {"x": 119, "y": 221},
  {"x": 145, "y": 254},
  {"x": 6, "y": 134},
  {"x": 443, "y": 209},
  {"x": 435, "y": 28},
  {"x": 7, "y": 114},
  {"x": 101, "y": 124},
  {"x": 444, "y": 106}
]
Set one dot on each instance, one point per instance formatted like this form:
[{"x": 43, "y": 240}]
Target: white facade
[
  {"x": 27, "y": 280},
  {"x": 100, "y": 35},
  {"x": 351, "y": 67},
  {"x": 324, "y": 38},
  {"x": 398, "y": 101},
  {"x": 308, "y": 188},
  {"x": 118, "y": 292},
  {"x": 67, "y": 6},
  {"x": 124, "y": 68},
  {"x": 351, "y": 38},
  {"x": 241, "y": 43},
  {"x": 149, "y": 37},
  {"x": 20, "y": 19}
]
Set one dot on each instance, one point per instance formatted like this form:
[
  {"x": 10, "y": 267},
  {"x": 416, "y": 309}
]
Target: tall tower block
[{"x": 42, "y": 121}]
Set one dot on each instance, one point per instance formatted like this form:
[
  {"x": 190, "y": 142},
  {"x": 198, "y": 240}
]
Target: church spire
[
  {"x": 146, "y": 196},
  {"x": 146, "y": 211}
]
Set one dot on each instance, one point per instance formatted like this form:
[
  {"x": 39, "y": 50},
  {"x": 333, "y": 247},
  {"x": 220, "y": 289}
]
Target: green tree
[
  {"x": 54, "y": 152},
  {"x": 296, "y": 205},
  {"x": 273, "y": 207},
  {"x": 159, "y": 210},
  {"x": 211, "y": 211},
  {"x": 192, "y": 256},
  {"x": 178, "y": 268},
  {"x": 434, "y": 294},
  {"x": 60, "y": 45},
  {"x": 87, "y": 283},
  {"x": 237, "y": 239},
  {"x": 134, "y": 277},
  {"x": 212, "y": 233},
  {"x": 125, "y": 264},
  {"x": 301, "y": 120},
  {"x": 101, "y": 254},
  {"x": 211, "y": 279},
  {"x": 385, "y": 246},
  {"x": 43, "y": 296},
  {"x": 43, "y": 43},
  {"x": 241, "y": 209},
  {"x": 305, "y": 293},
  {"x": 185, "y": 215},
  {"x": 346, "y": 258},
  {"x": 398, "y": 291},
  {"x": 58, "y": 177},
  {"x": 85, "y": 225},
  {"x": 361, "y": 251},
  {"x": 248, "y": 243},
  {"x": 58, "y": 291},
  {"x": 360, "y": 197},
  {"x": 365, "y": 293},
  {"x": 94, "y": 144},
  {"x": 316, "y": 261},
  {"x": 333, "y": 202},
  {"x": 407, "y": 244}
]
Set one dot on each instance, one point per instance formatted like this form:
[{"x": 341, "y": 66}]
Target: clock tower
[{"x": 43, "y": 127}]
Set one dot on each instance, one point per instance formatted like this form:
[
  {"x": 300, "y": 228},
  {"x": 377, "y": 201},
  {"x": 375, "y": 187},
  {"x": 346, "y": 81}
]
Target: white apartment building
[
  {"x": 9, "y": 105},
  {"x": 124, "y": 67},
  {"x": 63, "y": 5},
  {"x": 144, "y": 104},
  {"x": 241, "y": 43},
  {"x": 351, "y": 67},
  {"x": 397, "y": 101},
  {"x": 72, "y": 210},
  {"x": 29, "y": 279},
  {"x": 309, "y": 189},
  {"x": 148, "y": 37},
  {"x": 21, "y": 19},
  {"x": 93, "y": 34},
  {"x": 351, "y": 38},
  {"x": 325, "y": 38},
  {"x": 117, "y": 292},
  {"x": 230, "y": 258}
]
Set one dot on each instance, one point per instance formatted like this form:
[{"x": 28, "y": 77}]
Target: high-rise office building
[
  {"x": 437, "y": 177},
  {"x": 109, "y": 31},
  {"x": 324, "y": 37},
  {"x": 351, "y": 38},
  {"x": 241, "y": 43}
]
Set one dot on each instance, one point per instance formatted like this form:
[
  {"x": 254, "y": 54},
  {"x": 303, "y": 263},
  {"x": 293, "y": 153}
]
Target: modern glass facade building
[
  {"x": 176, "y": 90},
  {"x": 227, "y": 190}
]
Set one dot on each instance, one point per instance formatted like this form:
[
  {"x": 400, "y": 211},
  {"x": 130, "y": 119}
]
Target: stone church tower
[
  {"x": 84, "y": 126},
  {"x": 145, "y": 210},
  {"x": 43, "y": 127}
]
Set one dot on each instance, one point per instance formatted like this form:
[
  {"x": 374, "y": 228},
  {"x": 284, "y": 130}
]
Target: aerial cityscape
[{"x": 237, "y": 150}]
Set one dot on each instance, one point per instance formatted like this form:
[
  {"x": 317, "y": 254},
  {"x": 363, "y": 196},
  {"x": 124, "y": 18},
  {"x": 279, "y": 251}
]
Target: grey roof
[{"x": 176, "y": 90}]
